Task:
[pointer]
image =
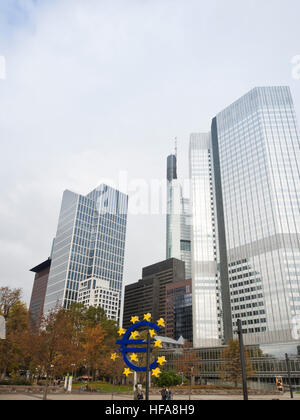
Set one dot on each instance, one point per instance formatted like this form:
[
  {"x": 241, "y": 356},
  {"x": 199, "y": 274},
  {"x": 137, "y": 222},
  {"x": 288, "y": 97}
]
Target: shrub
[
  {"x": 168, "y": 379},
  {"x": 16, "y": 381}
]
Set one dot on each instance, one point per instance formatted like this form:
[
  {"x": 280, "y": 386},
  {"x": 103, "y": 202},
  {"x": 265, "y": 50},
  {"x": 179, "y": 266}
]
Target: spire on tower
[{"x": 176, "y": 146}]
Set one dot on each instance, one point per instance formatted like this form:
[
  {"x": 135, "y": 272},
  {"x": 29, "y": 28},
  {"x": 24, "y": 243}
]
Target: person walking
[
  {"x": 169, "y": 395},
  {"x": 164, "y": 394},
  {"x": 136, "y": 393},
  {"x": 140, "y": 393}
]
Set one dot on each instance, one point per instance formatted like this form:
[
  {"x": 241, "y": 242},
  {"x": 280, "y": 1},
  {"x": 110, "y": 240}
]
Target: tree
[
  {"x": 86, "y": 321},
  {"x": 93, "y": 346},
  {"x": 55, "y": 350},
  {"x": 168, "y": 379},
  {"x": 231, "y": 369},
  {"x": 113, "y": 369},
  {"x": 8, "y": 298},
  {"x": 12, "y": 349},
  {"x": 83, "y": 316},
  {"x": 95, "y": 316},
  {"x": 189, "y": 364}
]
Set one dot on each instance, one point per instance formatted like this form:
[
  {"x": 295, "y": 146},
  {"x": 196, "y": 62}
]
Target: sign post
[
  {"x": 70, "y": 384},
  {"x": 2, "y": 328},
  {"x": 131, "y": 347}
]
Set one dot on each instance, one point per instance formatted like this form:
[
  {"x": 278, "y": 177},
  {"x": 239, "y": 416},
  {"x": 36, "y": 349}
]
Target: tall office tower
[
  {"x": 257, "y": 159},
  {"x": 207, "y": 325},
  {"x": 178, "y": 219},
  {"x": 149, "y": 294},
  {"x": 89, "y": 244}
]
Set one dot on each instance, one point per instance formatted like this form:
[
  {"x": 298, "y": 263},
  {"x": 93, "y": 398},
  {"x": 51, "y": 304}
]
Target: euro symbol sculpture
[{"x": 125, "y": 342}]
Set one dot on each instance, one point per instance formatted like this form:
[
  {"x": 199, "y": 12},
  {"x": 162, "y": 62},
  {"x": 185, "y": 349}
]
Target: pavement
[{"x": 91, "y": 397}]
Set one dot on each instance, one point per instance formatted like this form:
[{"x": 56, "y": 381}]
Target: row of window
[
  {"x": 243, "y": 299},
  {"x": 248, "y": 290}
]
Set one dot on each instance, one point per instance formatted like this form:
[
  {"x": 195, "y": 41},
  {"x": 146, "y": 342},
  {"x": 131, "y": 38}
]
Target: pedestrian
[
  {"x": 169, "y": 395},
  {"x": 140, "y": 393},
  {"x": 136, "y": 393},
  {"x": 164, "y": 394}
]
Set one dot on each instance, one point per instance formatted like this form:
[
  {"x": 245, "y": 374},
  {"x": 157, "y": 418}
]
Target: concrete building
[{"x": 95, "y": 292}]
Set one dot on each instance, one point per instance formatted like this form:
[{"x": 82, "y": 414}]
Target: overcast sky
[{"x": 95, "y": 87}]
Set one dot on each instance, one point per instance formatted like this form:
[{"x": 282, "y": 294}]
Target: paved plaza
[{"x": 91, "y": 397}]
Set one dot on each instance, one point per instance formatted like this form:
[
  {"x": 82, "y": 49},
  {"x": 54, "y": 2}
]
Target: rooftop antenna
[{"x": 176, "y": 146}]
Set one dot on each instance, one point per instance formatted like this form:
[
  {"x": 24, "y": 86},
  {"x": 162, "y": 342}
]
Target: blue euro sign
[{"x": 126, "y": 342}]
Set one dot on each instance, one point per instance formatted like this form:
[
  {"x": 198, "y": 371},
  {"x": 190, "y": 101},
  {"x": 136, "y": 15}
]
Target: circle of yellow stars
[{"x": 134, "y": 335}]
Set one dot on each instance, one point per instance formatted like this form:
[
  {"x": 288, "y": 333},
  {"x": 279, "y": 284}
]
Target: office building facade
[
  {"x": 178, "y": 241},
  {"x": 90, "y": 243},
  {"x": 179, "y": 312},
  {"x": 207, "y": 322},
  {"x": 149, "y": 294},
  {"x": 39, "y": 289},
  {"x": 257, "y": 157},
  {"x": 97, "y": 293}
]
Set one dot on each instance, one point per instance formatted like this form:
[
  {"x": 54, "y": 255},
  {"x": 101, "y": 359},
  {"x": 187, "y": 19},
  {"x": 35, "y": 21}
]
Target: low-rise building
[{"x": 97, "y": 293}]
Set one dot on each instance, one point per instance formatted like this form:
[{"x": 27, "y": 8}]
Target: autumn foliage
[
  {"x": 76, "y": 340},
  {"x": 231, "y": 370}
]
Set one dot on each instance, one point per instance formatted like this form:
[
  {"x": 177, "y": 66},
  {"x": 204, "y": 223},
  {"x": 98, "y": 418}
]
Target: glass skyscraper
[
  {"x": 178, "y": 241},
  {"x": 207, "y": 328},
  {"x": 256, "y": 152},
  {"x": 89, "y": 244}
]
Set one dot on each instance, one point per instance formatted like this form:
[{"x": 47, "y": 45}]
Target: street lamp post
[
  {"x": 289, "y": 374},
  {"x": 243, "y": 361},
  {"x": 191, "y": 379},
  {"x": 148, "y": 366}
]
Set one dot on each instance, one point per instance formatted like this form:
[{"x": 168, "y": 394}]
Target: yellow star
[
  {"x": 161, "y": 360},
  {"x": 147, "y": 317},
  {"x": 127, "y": 372},
  {"x": 134, "y": 319},
  {"x": 158, "y": 344},
  {"x": 114, "y": 356},
  {"x": 134, "y": 335},
  {"x": 134, "y": 358},
  {"x": 152, "y": 333},
  {"x": 121, "y": 331},
  {"x": 161, "y": 323},
  {"x": 156, "y": 372}
]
